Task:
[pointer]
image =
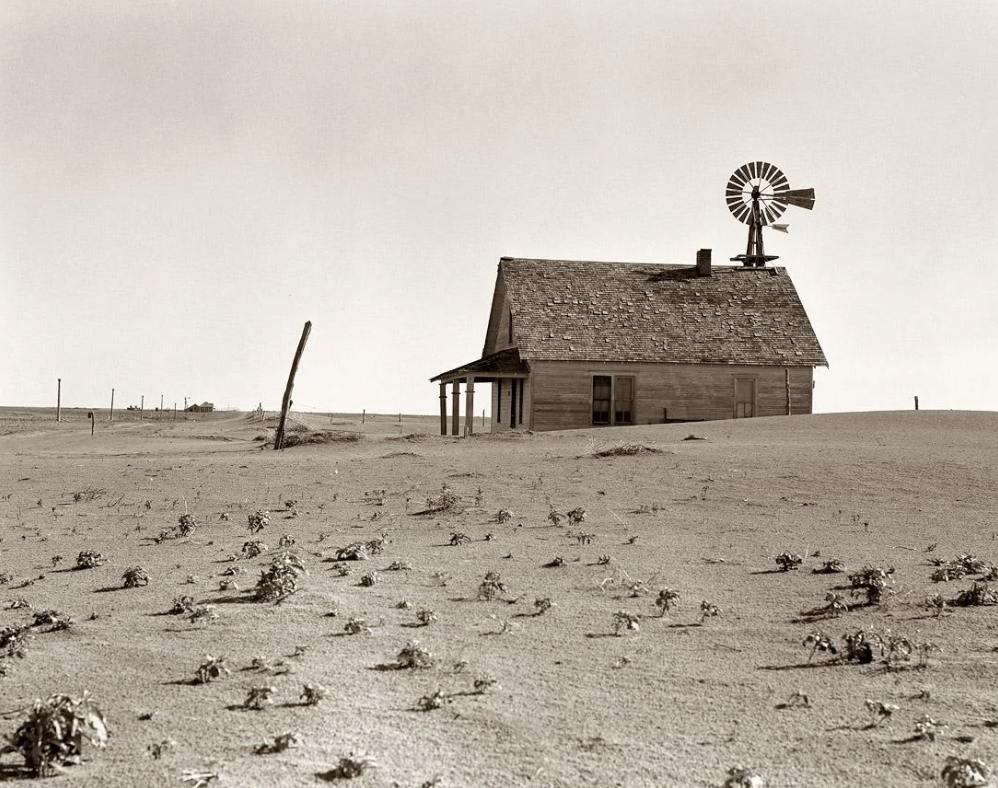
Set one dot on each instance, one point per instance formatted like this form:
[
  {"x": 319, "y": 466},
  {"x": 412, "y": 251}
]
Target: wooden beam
[
  {"x": 455, "y": 423},
  {"x": 443, "y": 408},
  {"x": 286, "y": 402},
  {"x": 469, "y": 407}
]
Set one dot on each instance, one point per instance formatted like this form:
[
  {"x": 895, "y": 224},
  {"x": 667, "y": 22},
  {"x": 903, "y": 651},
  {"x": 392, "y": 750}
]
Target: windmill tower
[{"x": 757, "y": 194}]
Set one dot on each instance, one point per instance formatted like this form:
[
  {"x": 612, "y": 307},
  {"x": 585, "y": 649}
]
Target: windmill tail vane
[{"x": 757, "y": 194}]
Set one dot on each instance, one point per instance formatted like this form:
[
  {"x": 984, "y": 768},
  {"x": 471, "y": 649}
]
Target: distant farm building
[
  {"x": 580, "y": 344},
  {"x": 204, "y": 407}
]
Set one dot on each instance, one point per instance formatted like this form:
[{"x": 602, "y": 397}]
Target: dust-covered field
[{"x": 559, "y": 670}]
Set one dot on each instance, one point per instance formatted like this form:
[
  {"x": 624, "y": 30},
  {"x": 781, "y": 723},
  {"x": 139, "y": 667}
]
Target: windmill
[{"x": 757, "y": 194}]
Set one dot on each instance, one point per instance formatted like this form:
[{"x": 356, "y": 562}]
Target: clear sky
[{"x": 184, "y": 183}]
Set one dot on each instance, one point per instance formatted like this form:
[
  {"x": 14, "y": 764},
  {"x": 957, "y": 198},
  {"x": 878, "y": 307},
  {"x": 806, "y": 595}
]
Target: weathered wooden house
[
  {"x": 578, "y": 344},
  {"x": 204, "y": 407}
]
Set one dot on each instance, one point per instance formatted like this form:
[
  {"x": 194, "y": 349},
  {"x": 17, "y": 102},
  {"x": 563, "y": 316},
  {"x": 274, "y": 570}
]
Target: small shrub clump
[
  {"x": 280, "y": 579},
  {"x": 257, "y": 521},
  {"x": 88, "y": 559},
  {"x": 413, "y": 655},
  {"x": 874, "y": 581},
  {"x": 54, "y": 734},
  {"x": 787, "y": 562},
  {"x": 212, "y": 668},
  {"x": 492, "y": 587},
  {"x": 134, "y": 577}
]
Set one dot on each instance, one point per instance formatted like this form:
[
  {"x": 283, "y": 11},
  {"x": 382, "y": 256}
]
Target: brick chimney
[{"x": 703, "y": 262}]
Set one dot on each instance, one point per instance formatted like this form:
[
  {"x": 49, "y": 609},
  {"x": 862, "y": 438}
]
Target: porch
[{"x": 509, "y": 375}]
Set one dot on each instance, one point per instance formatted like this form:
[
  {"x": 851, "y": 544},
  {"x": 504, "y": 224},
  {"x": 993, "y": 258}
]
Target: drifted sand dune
[{"x": 675, "y": 703}]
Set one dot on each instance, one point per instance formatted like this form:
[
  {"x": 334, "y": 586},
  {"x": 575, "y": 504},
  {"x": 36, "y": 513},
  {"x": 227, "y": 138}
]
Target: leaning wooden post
[
  {"x": 286, "y": 402},
  {"x": 110, "y": 416},
  {"x": 58, "y": 401}
]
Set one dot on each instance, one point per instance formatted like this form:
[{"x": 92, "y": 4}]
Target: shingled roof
[{"x": 565, "y": 310}]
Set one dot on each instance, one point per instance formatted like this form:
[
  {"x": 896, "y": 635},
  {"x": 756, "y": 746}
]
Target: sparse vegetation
[
  {"x": 350, "y": 766},
  {"x": 874, "y": 581},
  {"x": 624, "y": 621},
  {"x": 259, "y": 698},
  {"x": 257, "y": 521},
  {"x": 280, "y": 579},
  {"x": 491, "y": 587},
  {"x": 88, "y": 559},
  {"x": 667, "y": 597},
  {"x": 788, "y": 561},
  {"x": 313, "y": 694},
  {"x": 708, "y": 610},
  {"x": 212, "y": 668},
  {"x": 413, "y": 655},
  {"x": 134, "y": 577},
  {"x": 55, "y": 732}
]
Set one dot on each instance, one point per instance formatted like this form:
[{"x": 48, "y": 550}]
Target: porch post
[
  {"x": 443, "y": 408},
  {"x": 469, "y": 407},
  {"x": 455, "y": 418}
]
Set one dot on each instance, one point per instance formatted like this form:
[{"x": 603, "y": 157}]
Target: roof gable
[{"x": 565, "y": 310}]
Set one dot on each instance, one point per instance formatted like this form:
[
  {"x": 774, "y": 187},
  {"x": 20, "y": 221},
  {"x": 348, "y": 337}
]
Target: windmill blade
[
  {"x": 802, "y": 198},
  {"x": 781, "y": 228}
]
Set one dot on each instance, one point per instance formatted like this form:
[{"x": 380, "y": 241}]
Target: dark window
[{"x": 601, "y": 399}]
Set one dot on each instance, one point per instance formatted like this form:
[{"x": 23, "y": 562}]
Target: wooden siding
[{"x": 562, "y": 392}]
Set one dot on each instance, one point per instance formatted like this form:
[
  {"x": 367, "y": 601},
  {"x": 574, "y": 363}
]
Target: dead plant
[
  {"x": 979, "y": 593},
  {"x": 458, "y": 538},
  {"x": 666, "y": 598},
  {"x": 789, "y": 561},
  {"x": 280, "y": 579},
  {"x": 413, "y": 655},
  {"x": 623, "y": 621},
  {"x": 708, "y": 610},
  {"x": 819, "y": 641},
  {"x": 253, "y": 548},
  {"x": 186, "y": 525},
  {"x": 874, "y": 581},
  {"x": 831, "y": 567},
  {"x": 880, "y": 710},
  {"x": 350, "y": 766},
  {"x": 259, "y": 698},
  {"x": 491, "y": 587},
  {"x": 134, "y": 577},
  {"x": 54, "y": 734},
  {"x": 257, "y": 521},
  {"x": 212, "y": 668},
  {"x": 739, "y": 776},
  {"x": 88, "y": 559},
  {"x": 285, "y": 741},
  {"x": 313, "y": 694},
  {"x": 425, "y": 616},
  {"x": 433, "y": 701},
  {"x": 577, "y": 516},
  {"x": 965, "y": 773}
]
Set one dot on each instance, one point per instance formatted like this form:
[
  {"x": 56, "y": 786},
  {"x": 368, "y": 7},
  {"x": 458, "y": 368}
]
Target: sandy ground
[{"x": 676, "y": 703}]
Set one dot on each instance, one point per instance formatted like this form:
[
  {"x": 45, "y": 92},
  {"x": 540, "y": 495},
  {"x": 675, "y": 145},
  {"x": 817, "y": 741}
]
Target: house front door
[{"x": 744, "y": 398}]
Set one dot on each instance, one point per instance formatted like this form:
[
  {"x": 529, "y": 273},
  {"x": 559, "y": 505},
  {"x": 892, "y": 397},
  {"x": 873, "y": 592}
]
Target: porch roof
[{"x": 504, "y": 364}]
